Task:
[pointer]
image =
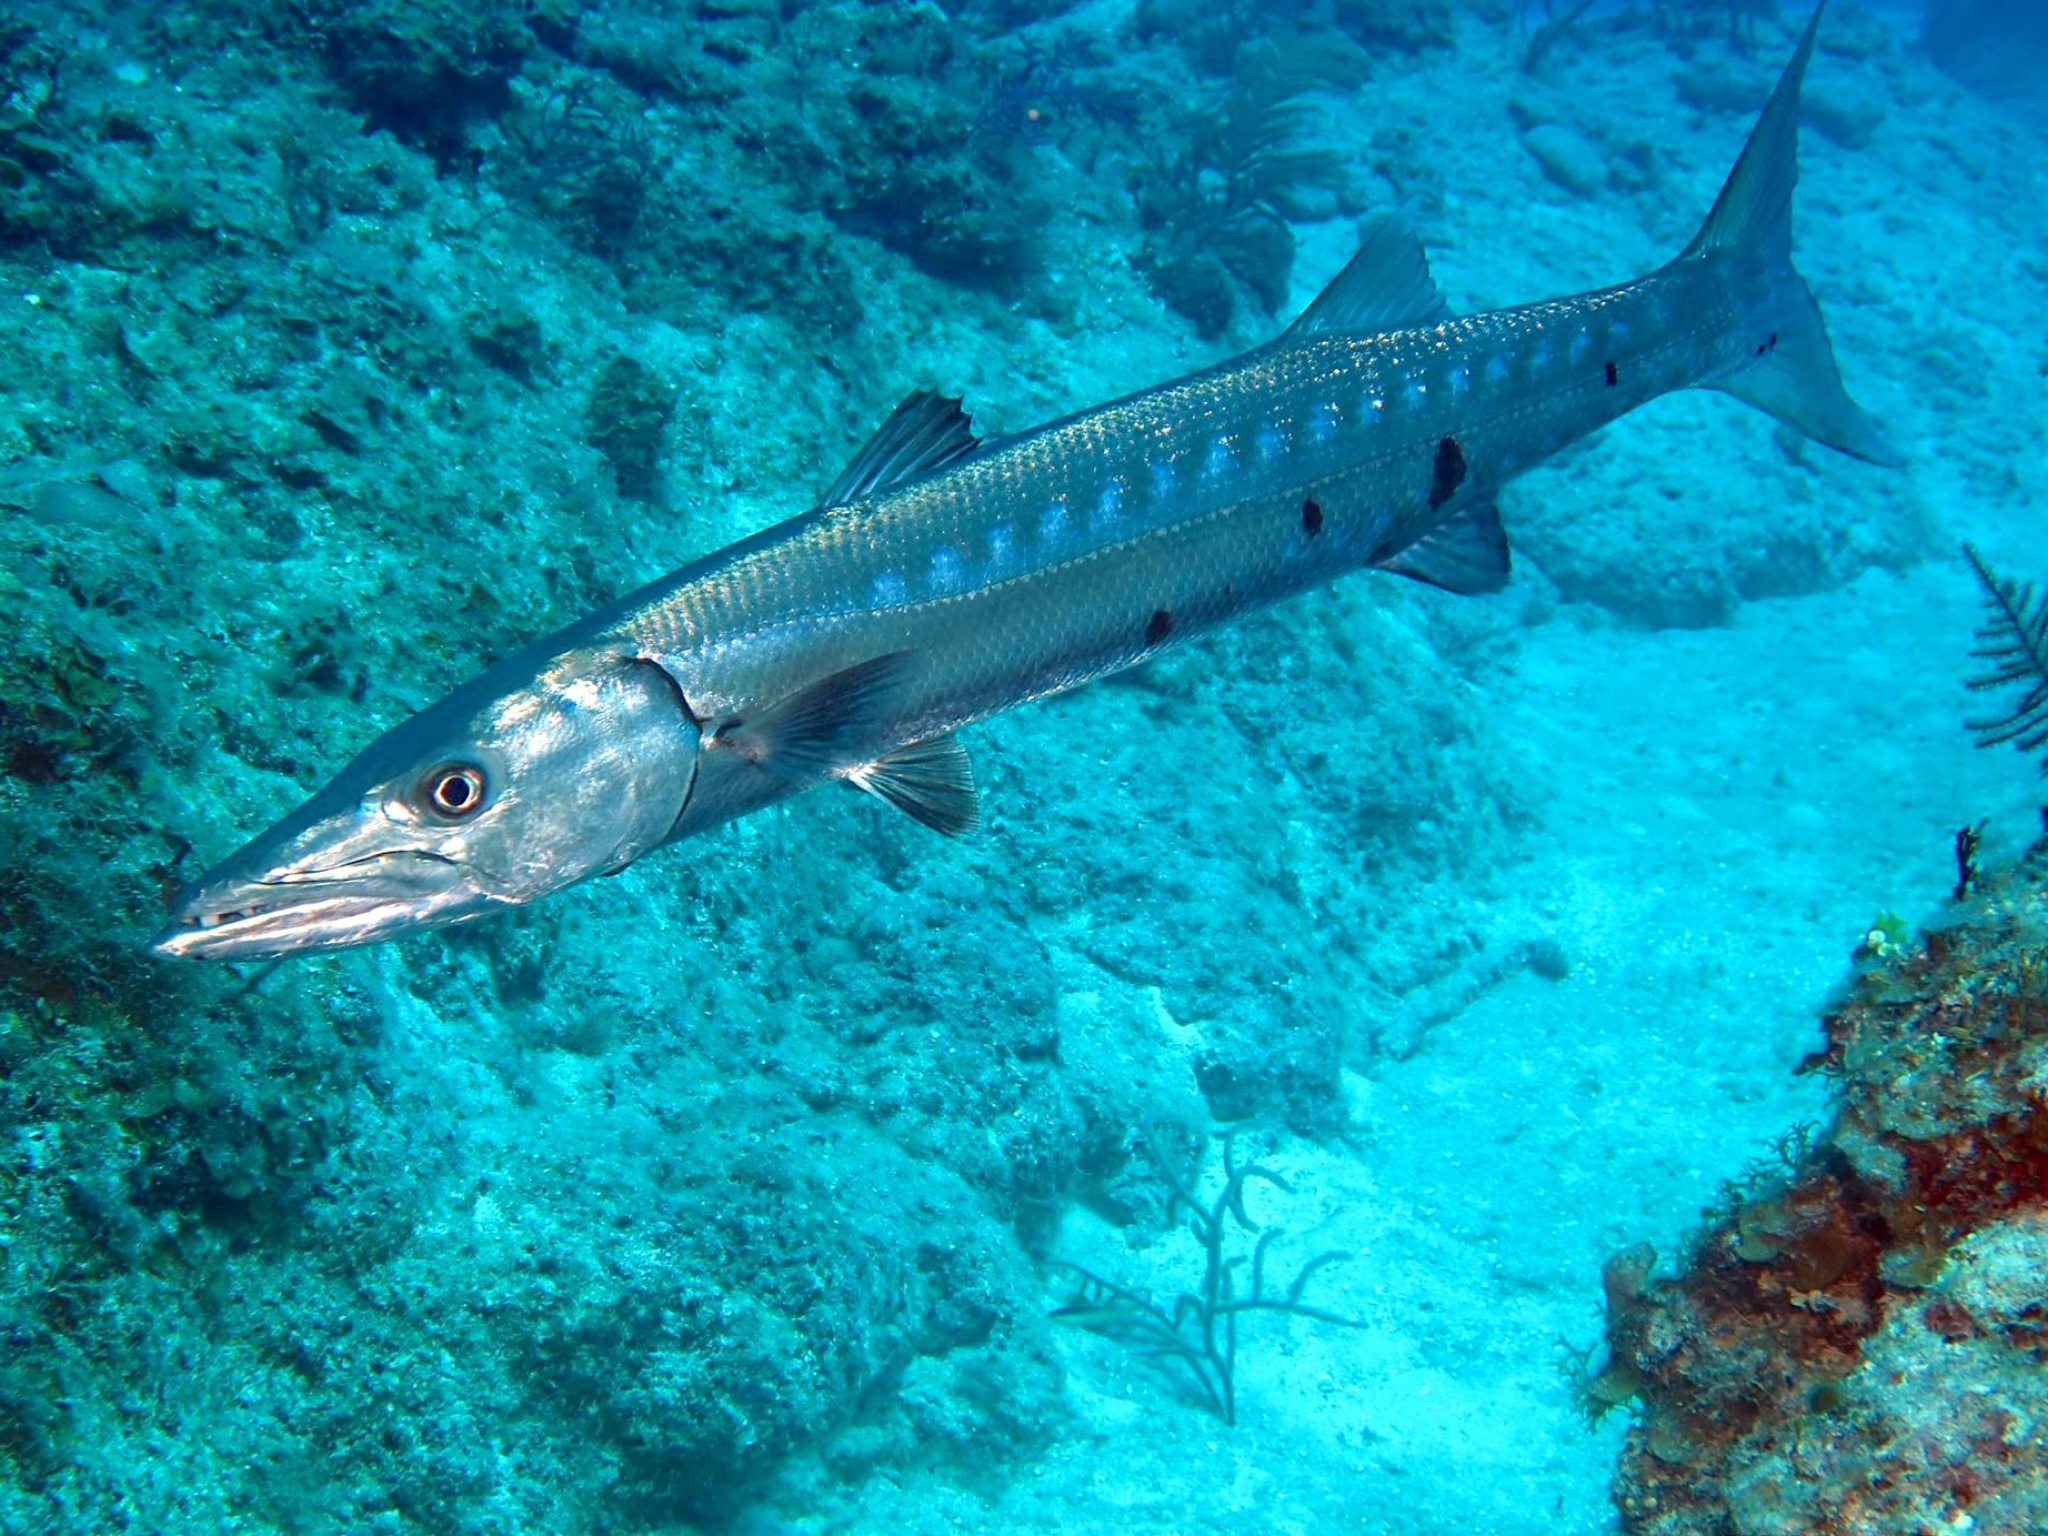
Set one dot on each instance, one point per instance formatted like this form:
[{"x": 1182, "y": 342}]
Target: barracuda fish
[{"x": 943, "y": 580}]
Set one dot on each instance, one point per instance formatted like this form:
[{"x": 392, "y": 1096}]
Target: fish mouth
[{"x": 229, "y": 915}]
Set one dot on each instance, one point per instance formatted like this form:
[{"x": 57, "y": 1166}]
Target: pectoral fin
[
  {"x": 932, "y": 782},
  {"x": 825, "y": 728}
]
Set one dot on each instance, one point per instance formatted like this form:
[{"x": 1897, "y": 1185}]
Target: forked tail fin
[{"x": 1792, "y": 374}]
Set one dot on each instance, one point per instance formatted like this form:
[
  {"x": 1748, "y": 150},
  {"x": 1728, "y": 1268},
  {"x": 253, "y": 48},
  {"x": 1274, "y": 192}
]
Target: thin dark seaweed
[
  {"x": 1199, "y": 1329},
  {"x": 2013, "y": 640}
]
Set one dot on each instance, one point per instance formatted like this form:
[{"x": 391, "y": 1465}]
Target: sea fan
[
  {"x": 2014, "y": 640},
  {"x": 1200, "y": 1329},
  {"x": 1221, "y": 202}
]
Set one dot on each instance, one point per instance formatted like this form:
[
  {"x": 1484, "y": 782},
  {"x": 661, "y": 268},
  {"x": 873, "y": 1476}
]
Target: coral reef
[
  {"x": 582, "y": 158},
  {"x": 309, "y": 420},
  {"x": 352, "y": 346},
  {"x": 1854, "y": 1345},
  {"x": 908, "y": 178},
  {"x": 427, "y": 72},
  {"x": 29, "y": 83}
]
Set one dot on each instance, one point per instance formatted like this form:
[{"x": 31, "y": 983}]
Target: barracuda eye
[{"x": 454, "y": 790}]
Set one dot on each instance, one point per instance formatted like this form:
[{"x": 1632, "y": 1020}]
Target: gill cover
[{"x": 586, "y": 770}]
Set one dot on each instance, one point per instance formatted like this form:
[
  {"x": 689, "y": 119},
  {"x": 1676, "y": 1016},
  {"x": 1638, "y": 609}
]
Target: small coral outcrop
[
  {"x": 628, "y": 410},
  {"x": 1216, "y": 210},
  {"x": 1855, "y": 1347}
]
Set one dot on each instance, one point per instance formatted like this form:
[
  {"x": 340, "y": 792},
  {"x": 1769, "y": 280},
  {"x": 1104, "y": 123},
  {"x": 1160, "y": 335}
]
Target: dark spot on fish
[
  {"x": 1613, "y": 375},
  {"x": 1770, "y": 345},
  {"x": 1448, "y": 474},
  {"x": 1311, "y": 517},
  {"x": 1160, "y": 627}
]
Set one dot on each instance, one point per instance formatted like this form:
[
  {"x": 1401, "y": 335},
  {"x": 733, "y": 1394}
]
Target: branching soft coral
[
  {"x": 1218, "y": 208},
  {"x": 2013, "y": 639},
  {"x": 1200, "y": 1328}
]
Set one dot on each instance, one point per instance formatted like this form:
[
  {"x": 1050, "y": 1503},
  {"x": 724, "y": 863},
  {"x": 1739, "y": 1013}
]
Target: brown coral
[{"x": 1854, "y": 1348}]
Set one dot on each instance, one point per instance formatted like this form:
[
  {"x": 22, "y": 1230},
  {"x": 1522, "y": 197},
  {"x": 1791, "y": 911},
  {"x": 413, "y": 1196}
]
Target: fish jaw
[{"x": 252, "y": 909}]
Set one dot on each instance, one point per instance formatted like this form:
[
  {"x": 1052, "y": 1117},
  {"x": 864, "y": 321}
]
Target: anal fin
[
  {"x": 1467, "y": 555},
  {"x": 931, "y": 781}
]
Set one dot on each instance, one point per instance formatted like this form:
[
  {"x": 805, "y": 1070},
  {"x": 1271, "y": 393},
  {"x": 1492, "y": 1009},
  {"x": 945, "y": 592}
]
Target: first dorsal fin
[
  {"x": 1385, "y": 287},
  {"x": 926, "y": 431}
]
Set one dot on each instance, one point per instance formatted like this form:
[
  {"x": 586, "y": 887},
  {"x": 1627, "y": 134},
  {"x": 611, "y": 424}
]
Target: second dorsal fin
[
  {"x": 928, "y": 430},
  {"x": 1385, "y": 287}
]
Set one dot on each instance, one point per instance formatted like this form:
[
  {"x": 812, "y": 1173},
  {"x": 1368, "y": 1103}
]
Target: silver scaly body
[{"x": 1069, "y": 552}]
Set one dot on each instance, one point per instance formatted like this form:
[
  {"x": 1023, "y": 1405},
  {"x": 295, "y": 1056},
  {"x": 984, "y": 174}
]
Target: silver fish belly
[{"x": 944, "y": 580}]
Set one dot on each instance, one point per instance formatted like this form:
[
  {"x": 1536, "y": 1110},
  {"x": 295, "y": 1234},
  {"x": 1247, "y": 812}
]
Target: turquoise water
[{"x": 349, "y": 346}]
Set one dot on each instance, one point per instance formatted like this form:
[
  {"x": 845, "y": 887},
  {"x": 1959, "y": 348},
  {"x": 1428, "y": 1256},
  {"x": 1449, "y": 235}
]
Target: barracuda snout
[
  {"x": 508, "y": 789},
  {"x": 270, "y": 899}
]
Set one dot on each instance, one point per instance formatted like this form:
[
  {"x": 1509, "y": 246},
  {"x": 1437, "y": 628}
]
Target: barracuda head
[{"x": 515, "y": 785}]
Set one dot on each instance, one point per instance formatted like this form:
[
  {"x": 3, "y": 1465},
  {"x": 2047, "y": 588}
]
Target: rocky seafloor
[{"x": 349, "y": 345}]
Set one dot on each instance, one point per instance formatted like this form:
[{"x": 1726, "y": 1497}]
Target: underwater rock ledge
[{"x": 1855, "y": 1344}]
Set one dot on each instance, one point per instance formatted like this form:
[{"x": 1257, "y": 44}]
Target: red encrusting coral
[{"x": 1854, "y": 1345}]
